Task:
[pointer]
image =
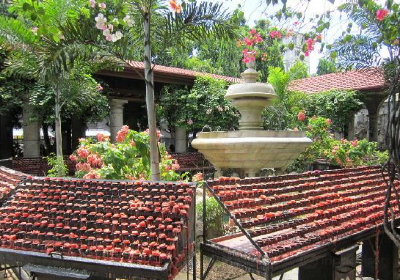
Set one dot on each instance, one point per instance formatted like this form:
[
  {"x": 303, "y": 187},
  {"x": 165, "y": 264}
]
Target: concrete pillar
[
  {"x": 31, "y": 132},
  {"x": 373, "y": 126},
  {"x": 337, "y": 266},
  {"x": 388, "y": 258},
  {"x": 116, "y": 116},
  {"x": 351, "y": 129},
  {"x": 180, "y": 140}
]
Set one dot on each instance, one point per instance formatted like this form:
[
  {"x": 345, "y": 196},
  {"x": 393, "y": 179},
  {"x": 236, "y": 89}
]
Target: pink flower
[
  {"x": 82, "y": 152},
  {"x": 92, "y": 175},
  {"x": 34, "y": 30},
  {"x": 100, "y": 137},
  {"x": 301, "y": 116},
  {"x": 253, "y": 31},
  {"x": 381, "y": 14},
  {"x": 102, "y": 6},
  {"x": 354, "y": 143},
  {"x": 85, "y": 167},
  {"x": 133, "y": 144},
  {"x": 94, "y": 160},
  {"x": 92, "y": 3},
  {"x": 167, "y": 168},
  {"x": 99, "y": 87},
  {"x": 275, "y": 34},
  {"x": 247, "y": 41},
  {"x": 396, "y": 42},
  {"x": 190, "y": 122},
  {"x": 329, "y": 121},
  {"x": 219, "y": 108},
  {"x": 198, "y": 177},
  {"x": 73, "y": 158},
  {"x": 122, "y": 133}
]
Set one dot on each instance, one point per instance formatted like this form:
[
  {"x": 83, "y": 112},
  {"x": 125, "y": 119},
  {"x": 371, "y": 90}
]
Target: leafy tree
[
  {"x": 326, "y": 66},
  {"x": 337, "y": 105},
  {"x": 43, "y": 39},
  {"x": 204, "y": 105}
]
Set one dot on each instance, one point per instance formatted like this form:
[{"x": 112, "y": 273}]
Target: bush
[
  {"x": 214, "y": 217},
  {"x": 342, "y": 152},
  {"x": 129, "y": 158}
]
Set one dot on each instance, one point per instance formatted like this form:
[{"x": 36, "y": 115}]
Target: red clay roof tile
[
  {"x": 371, "y": 79},
  {"x": 137, "y": 65}
]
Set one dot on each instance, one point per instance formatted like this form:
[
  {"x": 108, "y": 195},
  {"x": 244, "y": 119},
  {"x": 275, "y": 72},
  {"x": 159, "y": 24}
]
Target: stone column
[
  {"x": 180, "y": 140},
  {"x": 373, "y": 126},
  {"x": 116, "y": 116},
  {"x": 31, "y": 132},
  {"x": 351, "y": 128}
]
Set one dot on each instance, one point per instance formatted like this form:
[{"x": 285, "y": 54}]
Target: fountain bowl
[{"x": 248, "y": 151}]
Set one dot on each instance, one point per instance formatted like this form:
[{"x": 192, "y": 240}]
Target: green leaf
[
  {"x": 26, "y": 7},
  {"x": 291, "y": 46}
]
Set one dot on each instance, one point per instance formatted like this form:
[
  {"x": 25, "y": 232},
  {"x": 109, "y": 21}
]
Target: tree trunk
[
  {"x": 46, "y": 138},
  {"x": 59, "y": 146},
  {"x": 151, "y": 113}
]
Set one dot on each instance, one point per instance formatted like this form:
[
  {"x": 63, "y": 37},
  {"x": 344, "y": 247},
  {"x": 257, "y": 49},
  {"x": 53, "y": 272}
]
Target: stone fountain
[{"x": 250, "y": 149}]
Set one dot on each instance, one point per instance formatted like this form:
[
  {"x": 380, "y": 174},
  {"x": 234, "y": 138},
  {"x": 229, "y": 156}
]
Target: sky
[{"x": 257, "y": 9}]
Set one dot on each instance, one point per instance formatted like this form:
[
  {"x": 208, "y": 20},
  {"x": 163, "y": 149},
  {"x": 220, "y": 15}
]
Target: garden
[{"x": 123, "y": 204}]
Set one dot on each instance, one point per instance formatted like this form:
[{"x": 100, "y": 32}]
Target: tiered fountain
[{"x": 251, "y": 149}]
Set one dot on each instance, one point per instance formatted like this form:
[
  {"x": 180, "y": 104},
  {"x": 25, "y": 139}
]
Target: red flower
[
  {"x": 100, "y": 137},
  {"x": 329, "y": 121},
  {"x": 73, "y": 158},
  {"x": 301, "y": 116},
  {"x": 176, "y": 7},
  {"x": 121, "y": 135},
  {"x": 381, "y": 14},
  {"x": 82, "y": 152}
]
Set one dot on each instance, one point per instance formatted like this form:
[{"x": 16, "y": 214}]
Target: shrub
[{"x": 128, "y": 158}]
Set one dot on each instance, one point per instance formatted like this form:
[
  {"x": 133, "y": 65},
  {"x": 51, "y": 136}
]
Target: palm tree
[
  {"x": 48, "y": 43},
  {"x": 195, "y": 21}
]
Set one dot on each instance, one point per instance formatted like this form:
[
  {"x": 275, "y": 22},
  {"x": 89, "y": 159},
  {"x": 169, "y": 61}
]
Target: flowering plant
[
  {"x": 249, "y": 44},
  {"x": 343, "y": 153},
  {"x": 128, "y": 158}
]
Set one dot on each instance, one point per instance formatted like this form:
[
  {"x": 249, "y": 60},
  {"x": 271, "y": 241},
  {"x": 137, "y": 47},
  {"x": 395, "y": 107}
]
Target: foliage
[
  {"x": 283, "y": 111},
  {"x": 203, "y": 105},
  {"x": 337, "y": 105},
  {"x": 326, "y": 66},
  {"x": 214, "y": 217},
  {"x": 342, "y": 152},
  {"x": 58, "y": 166},
  {"x": 129, "y": 158}
]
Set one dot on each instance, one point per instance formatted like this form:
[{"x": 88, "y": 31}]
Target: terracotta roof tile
[
  {"x": 137, "y": 65},
  {"x": 371, "y": 79}
]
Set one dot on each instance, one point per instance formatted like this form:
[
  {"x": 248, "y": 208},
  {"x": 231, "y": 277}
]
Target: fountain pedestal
[{"x": 251, "y": 149}]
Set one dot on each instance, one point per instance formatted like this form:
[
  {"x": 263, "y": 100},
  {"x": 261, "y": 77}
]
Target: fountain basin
[{"x": 249, "y": 151}]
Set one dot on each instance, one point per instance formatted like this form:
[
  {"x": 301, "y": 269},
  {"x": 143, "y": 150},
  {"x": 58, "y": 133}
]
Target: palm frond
[
  {"x": 198, "y": 20},
  {"x": 16, "y": 34}
]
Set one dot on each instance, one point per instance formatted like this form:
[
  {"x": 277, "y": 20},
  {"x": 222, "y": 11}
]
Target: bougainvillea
[{"x": 128, "y": 158}]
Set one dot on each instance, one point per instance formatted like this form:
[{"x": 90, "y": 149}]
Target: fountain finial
[{"x": 250, "y": 98}]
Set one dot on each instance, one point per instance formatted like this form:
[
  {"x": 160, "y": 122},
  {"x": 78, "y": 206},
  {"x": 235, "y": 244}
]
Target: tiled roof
[
  {"x": 292, "y": 215},
  {"x": 364, "y": 80},
  {"x": 130, "y": 222},
  {"x": 160, "y": 69}
]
